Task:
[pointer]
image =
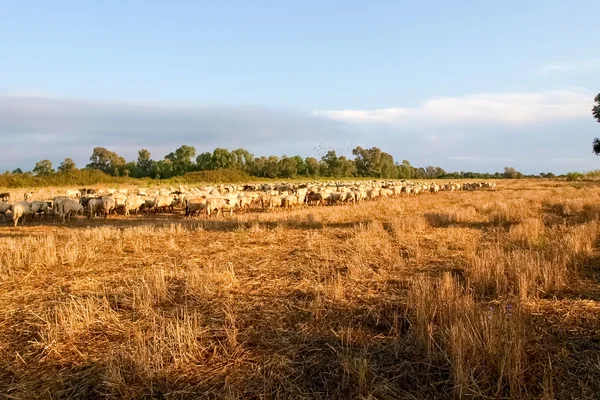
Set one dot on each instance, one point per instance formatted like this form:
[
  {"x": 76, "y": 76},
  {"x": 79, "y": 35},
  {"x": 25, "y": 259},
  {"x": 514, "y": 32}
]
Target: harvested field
[{"x": 484, "y": 294}]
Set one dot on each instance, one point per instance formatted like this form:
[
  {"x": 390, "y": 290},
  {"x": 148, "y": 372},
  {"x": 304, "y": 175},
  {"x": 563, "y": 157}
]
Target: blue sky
[{"x": 463, "y": 85}]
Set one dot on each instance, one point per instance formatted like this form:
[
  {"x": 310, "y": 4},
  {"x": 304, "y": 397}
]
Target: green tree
[
  {"x": 374, "y": 163},
  {"x": 596, "y": 114},
  {"x": 182, "y": 159},
  {"x": 164, "y": 169},
  {"x": 258, "y": 166},
  {"x": 106, "y": 161},
  {"x": 271, "y": 167},
  {"x": 144, "y": 165},
  {"x": 18, "y": 171},
  {"x": 287, "y": 167},
  {"x": 511, "y": 173},
  {"x": 204, "y": 161},
  {"x": 67, "y": 165},
  {"x": 240, "y": 159},
  {"x": 331, "y": 164},
  {"x": 346, "y": 168},
  {"x": 300, "y": 166},
  {"x": 221, "y": 158},
  {"x": 131, "y": 169},
  {"x": 312, "y": 166},
  {"x": 405, "y": 170},
  {"x": 432, "y": 172},
  {"x": 43, "y": 168}
]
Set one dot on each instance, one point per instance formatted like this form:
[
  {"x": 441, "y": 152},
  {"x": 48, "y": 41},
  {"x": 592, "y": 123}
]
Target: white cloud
[
  {"x": 503, "y": 108},
  {"x": 480, "y": 132}
]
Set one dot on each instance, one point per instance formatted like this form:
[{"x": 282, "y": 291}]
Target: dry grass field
[{"x": 486, "y": 294}]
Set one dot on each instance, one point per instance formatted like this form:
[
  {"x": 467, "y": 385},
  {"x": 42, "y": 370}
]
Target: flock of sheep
[{"x": 216, "y": 200}]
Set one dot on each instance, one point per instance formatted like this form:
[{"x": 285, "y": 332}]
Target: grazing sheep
[
  {"x": 4, "y": 208},
  {"x": 220, "y": 205},
  {"x": 108, "y": 205},
  {"x": 94, "y": 207},
  {"x": 39, "y": 207},
  {"x": 274, "y": 201},
  {"x": 134, "y": 203},
  {"x": 289, "y": 202},
  {"x": 164, "y": 202},
  {"x": 67, "y": 208},
  {"x": 56, "y": 202},
  {"x": 20, "y": 210},
  {"x": 195, "y": 206}
]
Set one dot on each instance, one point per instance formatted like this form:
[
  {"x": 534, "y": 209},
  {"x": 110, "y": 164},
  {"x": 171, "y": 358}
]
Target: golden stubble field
[{"x": 487, "y": 294}]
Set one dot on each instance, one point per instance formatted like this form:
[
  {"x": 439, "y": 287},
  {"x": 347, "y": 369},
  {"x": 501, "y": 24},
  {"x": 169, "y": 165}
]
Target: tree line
[{"x": 372, "y": 163}]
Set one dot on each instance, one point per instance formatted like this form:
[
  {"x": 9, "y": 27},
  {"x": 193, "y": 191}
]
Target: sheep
[
  {"x": 244, "y": 202},
  {"x": 314, "y": 198},
  {"x": 20, "y": 210},
  {"x": 94, "y": 206},
  {"x": 56, "y": 202},
  {"x": 39, "y": 207},
  {"x": 289, "y": 202},
  {"x": 4, "y": 208},
  {"x": 164, "y": 202},
  {"x": 274, "y": 201},
  {"x": 220, "y": 205},
  {"x": 193, "y": 206},
  {"x": 134, "y": 203},
  {"x": 108, "y": 205},
  {"x": 68, "y": 207},
  {"x": 335, "y": 197},
  {"x": 73, "y": 194}
]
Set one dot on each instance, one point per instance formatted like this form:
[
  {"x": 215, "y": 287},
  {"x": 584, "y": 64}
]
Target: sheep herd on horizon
[{"x": 216, "y": 200}]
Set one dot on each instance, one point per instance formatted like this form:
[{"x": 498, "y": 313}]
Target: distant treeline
[{"x": 222, "y": 165}]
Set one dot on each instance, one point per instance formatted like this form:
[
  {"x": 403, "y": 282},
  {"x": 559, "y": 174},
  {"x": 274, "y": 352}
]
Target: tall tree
[
  {"x": 182, "y": 159},
  {"x": 164, "y": 169},
  {"x": 204, "y": 161},
  {"x": 270, "y": 168},
  {"x": 374, "y": 162},
  {"x": 596, "y": 114},
  {"x": 312, "y": 166},
  {"x": 221, "y": 158},
  {"x": 258, "y": 166},
  {"x": 346, "y": 168},
  {"x": 511, "y": 173},
  {"x": 287, "y": 167},
  {"x": 144, "y": 165},
  {"x": 67, "y": 165},
  {"x": 331, "y": 163},
  {"x": 43, "y": 168},
  {"x": 106, "y": 161},
  {"x": 240, "y": 159},
  {"x": 405, "y": 170}
]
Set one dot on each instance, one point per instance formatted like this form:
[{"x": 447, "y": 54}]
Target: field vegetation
[{"x": 484, "y": 294}]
